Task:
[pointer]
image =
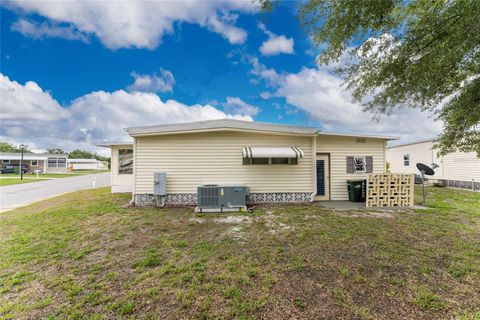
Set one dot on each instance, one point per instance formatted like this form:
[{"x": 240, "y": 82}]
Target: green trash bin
[{"x": 356, "y": 190}]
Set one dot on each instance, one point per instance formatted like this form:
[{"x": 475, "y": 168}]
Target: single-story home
[
  {"x": 279, "y": 163},
  {"x": 48, "y": 163},
  {"x": 456, "y": 168},
  {"x": 87, "y": 164}
]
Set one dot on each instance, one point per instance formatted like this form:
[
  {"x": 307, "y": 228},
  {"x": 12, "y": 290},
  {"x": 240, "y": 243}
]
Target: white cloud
[
  {"x": 27, "y": 102},
  {"x": 45, "y": 29},
  {"x": 238, "y": 106},
  {"x": 30, "y": 115},
  {"x": 162, "y": 82},
  {"x": 275, "y": 44},
  {"x": 320, "y": 93},
  {"x": 141, "y": 24}
]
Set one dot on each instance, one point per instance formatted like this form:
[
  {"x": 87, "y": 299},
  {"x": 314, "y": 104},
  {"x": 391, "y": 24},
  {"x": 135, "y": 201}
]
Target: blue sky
[{"x": 84, "y": 71}]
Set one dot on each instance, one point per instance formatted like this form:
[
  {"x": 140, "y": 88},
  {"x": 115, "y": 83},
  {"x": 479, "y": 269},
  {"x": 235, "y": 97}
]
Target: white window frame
[
  {"x": 5, "y": 161},
  {"x": 355, "y": 164},
  {"x": 406, "y": 160},
  {"x": 56, "y": 162},
  {"x": 32, "y": 161}
]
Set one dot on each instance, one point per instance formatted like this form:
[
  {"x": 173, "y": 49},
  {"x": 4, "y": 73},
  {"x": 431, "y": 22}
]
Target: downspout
[
  {"x": 314, "y": 167},
  {"x": 134, "y": 170}
]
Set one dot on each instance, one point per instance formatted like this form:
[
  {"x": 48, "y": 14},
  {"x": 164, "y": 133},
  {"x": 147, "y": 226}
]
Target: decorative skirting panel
[
  {"x": 472, "y": 185},
  {"x": 144, "y": 200},
  {"x": 390, "y": 190},
  {"x": 183, "y": 199},
  {"x": 276, "y": 197}
]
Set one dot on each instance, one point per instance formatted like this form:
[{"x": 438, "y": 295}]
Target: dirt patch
[{"x": 234, "y": 220}]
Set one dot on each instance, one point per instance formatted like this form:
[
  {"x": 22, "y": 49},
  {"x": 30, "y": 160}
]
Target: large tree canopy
[
  {"x": 7, "y": 147},
  {"x": 420, "y": 54}
]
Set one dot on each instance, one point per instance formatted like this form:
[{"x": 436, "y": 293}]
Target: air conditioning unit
[{"x": 221, "y": 198}]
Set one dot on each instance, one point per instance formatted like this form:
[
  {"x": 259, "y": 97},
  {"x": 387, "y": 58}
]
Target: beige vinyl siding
[
  {"x": 120, "y": 182},
  {"x": 339, "y": 149},
  {"x": 193, "y": 159},
  {"x": 463, "y": 166}
]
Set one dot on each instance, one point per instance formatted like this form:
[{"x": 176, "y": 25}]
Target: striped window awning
[{"x": 272, "y": 152}]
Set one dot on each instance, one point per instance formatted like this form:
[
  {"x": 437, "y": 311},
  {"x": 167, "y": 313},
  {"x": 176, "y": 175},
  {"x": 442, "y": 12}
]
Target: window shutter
[
  {"x": 350, "y": 168},
  {"x": 369, "y": 163}
]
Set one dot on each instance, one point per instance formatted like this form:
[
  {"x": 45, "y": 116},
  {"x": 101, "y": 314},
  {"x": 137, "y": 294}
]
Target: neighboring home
[
  {"x": 86, "y": 164},
  {"x": 48, "y": 163},
  {"x": 279, "y": 163},
  {"x": 459, "y": 168}
]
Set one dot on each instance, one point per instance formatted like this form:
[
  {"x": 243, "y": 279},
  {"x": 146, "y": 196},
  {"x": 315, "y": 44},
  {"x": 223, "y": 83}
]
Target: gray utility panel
[
  {"x": 212, "y": 196},
  {"x": 160, "y": 183}
]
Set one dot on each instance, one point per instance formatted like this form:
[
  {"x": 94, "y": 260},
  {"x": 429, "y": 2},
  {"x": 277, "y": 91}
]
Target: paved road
[{"x": 23, "y": 194}]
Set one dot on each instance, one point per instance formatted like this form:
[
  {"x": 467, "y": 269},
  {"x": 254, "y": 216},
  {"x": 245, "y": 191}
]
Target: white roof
[
  {"x": 412, "y": 142},
  {"x": 220, "y": 124},
  {"x": 272, "y": 152},
  {"x": 29, "y": 156}
]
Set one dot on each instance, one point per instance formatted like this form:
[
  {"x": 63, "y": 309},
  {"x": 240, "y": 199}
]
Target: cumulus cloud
[
  {"x": 275, "y": 44},
  {"x": 142, "y": 24},
  {"x": 27, "y": 102},
  {"x": 162, "y": 82},
  {"x": 30, "y": 115},
  {"x": 238, "y": 106},
  {"x": 45, "y": 29},
  {"x": 320, "y": 93}
]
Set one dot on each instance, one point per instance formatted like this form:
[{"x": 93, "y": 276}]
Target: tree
[
  {"x": 81, "y": 154},
  {"x": 7, "y": 147},
  {"x": 55, "y": 151},
  {"x": 406, "y": 54}
]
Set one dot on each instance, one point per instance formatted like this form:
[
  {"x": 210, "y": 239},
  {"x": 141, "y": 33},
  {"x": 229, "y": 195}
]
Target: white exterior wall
[
  {"x": 120, "y": 182},
  {"x": 454, "y": 166},
  {"x": 420, "y": 152},
  {"x": 91, "y": 165},
  {"x": 339, "y": 149},
  {"x": 194, "y": 159}
]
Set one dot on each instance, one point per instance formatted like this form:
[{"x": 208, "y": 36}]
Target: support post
[{"x": 423, "y": 186}]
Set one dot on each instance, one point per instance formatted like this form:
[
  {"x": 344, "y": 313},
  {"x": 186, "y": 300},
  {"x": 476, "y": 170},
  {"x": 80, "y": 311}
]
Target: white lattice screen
[{"x": 390, "y": 190}]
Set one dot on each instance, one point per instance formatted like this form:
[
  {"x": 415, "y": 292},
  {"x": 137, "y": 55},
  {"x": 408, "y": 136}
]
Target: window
[
  {"x": 279, "y": 160},
  {"x": 264, "y": 161},
  {"x": 53, "y": 162},
  {"x": 406, "y": 160},
  {"x": 5, "y": 161},
  {"x": 260, "y": 161},
  {"x": 359, "y": 165},
  {"x": 34, "y": 162},
  {"x": 125, "y": 161}
]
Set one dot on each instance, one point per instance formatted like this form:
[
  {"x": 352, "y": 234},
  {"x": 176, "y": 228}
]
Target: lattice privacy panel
[{"x": 390, "y": 190}]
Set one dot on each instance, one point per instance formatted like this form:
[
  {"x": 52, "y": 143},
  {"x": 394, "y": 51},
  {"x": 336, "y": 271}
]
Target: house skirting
[
  {"x": 186, "y": 199},
  {"x": 472, "y": 185}
]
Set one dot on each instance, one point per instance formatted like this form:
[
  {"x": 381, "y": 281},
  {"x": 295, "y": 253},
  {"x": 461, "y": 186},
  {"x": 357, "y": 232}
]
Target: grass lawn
[
  {"x": 10, "y": 181},
  {"x": 87, "y": 255},
  {"x": 10, "y": 178}
]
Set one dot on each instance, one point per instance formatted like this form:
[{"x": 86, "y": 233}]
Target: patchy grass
[{"x": 85, "y": 255}]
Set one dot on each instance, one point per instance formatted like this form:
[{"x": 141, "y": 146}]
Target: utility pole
[{"x": 22, "y": 147}]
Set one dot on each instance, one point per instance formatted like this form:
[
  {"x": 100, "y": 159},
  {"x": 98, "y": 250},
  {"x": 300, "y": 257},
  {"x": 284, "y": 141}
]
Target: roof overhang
[
  {"x": 110, "y": 144},
  {"x": 357, "y": 135}
]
